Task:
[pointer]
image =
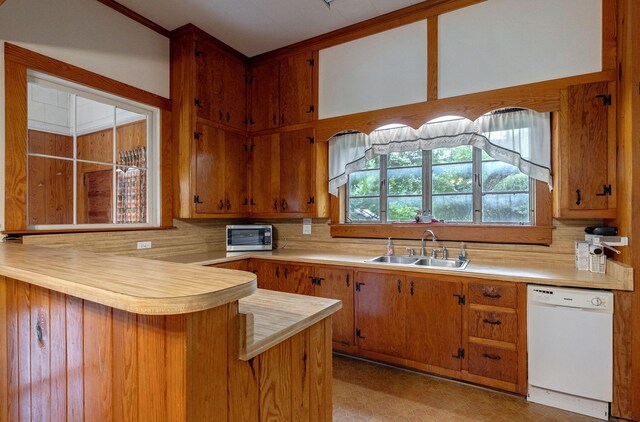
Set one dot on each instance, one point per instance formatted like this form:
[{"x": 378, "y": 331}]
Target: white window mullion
[
  {"x": 384, "y": 182},
  {"x": 427, "y": 183},
  {"x": 477, "y": 185},
  {"x": 74, "y": 129}
]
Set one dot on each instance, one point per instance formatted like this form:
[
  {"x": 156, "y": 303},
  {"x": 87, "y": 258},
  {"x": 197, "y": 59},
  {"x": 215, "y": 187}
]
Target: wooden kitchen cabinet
[
  {"x": 240, "y": 265},
  {"x": 495, "y": 335},
  {"x": 220, "y": 171},
  {"x": 337, "y": 283},
  {"x": 265, "y": 96},
  {"x": 281, "y": 92},
  {"x": 208, "y": 91},
  {"x": 283, "y": 174},
  {"x": 380, "y": 312},
  {"x": 282, "y": 277},
  {"x": 434, "y": 322},
  {"x": 584, "y": 152},
  {"x": 221, "y": 88}
]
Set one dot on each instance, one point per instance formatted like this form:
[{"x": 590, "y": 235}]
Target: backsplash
[{"x": 198, "y": 236}]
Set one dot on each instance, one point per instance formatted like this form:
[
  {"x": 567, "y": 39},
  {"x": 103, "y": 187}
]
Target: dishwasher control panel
[{"x": 571, "y": 298}]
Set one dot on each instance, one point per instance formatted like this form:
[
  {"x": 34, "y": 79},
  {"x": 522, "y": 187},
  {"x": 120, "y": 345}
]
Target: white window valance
[{"x": 515, "y": 136}]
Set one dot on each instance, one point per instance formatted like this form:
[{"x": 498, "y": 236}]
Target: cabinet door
[
  {"x": 380, "y": 312},
  {"x": 241, "y": 265},
  {"x": 209, "y": 182},
  {"x": 235, "y": 93},
  {"x": 209, "y": 81},
  {"x": 585, "y": 150},
  {"x": 296, "y": 171},
  {"x": 294, "y": 278},
  {"x": 265, "y": 272},
  {"x": 296, "y": 94},
  {"x": 434, "y": 322},
  {"x": 265, "y": 185},
  {"x": 265, "y": 96},
  {"x": 336, "y": 283},
  {"x": 235, "y": 176}
]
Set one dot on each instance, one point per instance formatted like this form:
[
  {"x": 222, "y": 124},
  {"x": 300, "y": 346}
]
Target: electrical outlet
[{"x": 144, "y": 245}]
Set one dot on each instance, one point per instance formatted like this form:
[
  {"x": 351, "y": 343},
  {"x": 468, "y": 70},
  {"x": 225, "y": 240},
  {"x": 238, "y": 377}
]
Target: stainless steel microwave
[{"x": 249, "y": 237}]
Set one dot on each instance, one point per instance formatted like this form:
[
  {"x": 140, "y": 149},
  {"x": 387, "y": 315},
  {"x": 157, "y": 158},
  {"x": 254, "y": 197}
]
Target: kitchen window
[
  {"x": 92, "y": 158},
  {"x": 455, "y": 185}
]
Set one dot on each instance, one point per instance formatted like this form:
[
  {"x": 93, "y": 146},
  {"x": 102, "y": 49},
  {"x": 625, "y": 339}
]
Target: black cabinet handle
[
  {"x": 492, "y": 357},
  {"x": 282, "y": 118},
  {"x": 246, "y": 202},
  {"x": 228, "y": 117},
  {"x": 359, "y": 334},
  {"x": 39, "y": 333},
  {"x": 275, "y": 120},
  {"x": 221, "y": 204},
  {"x": 284, "y": 205},
  {"x": 347, "y": 279},
  {"x": 399, "y": 288},
  {"x": 220, "y": 114},
  {"x": 228, "y": 205},
  {"x": 486, "y": 321},
  {"x": 579, "y": 200},
  {"x": 278, "y": 272},
  {"x": 285, "y": 272},
  {"x": 411, "y": 287},
  {"x": 252, "y": 202},
  {"x": 606, "y": 190},
  {"x": 492, "y": 295},
  {"x": 275, "y": 204}
]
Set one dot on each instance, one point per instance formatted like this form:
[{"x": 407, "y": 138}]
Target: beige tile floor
[{"x": 367, "y": 392}]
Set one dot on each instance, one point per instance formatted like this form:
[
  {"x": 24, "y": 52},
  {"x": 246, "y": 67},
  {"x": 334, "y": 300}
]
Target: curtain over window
[{"x": 515, "y": 136}]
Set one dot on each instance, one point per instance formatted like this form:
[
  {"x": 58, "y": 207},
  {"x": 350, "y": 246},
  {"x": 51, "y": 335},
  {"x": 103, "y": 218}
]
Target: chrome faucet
[{"x": 433, "y": 238}]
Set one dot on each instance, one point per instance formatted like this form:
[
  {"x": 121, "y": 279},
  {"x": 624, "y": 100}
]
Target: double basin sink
[{"x": 421, "y": 261}]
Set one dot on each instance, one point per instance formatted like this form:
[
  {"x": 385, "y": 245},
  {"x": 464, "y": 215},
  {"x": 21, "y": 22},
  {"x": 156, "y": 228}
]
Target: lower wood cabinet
[
  {"x": 337, "y": 283},
  {"x": 380, "y": 312},
  {"x": 459, "y": 327},
  {"x": 434, "y": 322}
]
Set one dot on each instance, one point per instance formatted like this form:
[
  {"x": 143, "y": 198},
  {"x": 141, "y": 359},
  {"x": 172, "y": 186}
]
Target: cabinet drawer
[
  {"x": 493, "y": 362},
  {"x": 494, "y": 325},
  {"x": 493, "y": 294}
]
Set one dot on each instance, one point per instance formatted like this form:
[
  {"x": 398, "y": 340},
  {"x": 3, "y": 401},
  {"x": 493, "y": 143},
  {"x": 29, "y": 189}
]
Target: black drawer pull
[
  {"x": 39, "y": 333},
  {"x": 492, "y": 295},
  {"x": 493, "y": 357},
  {"x": 486, "y": 321}
]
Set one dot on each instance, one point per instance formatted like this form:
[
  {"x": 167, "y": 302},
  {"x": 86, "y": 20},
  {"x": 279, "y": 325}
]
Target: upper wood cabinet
[
  {"x": 221, "y": 88},
  {"x": 584, "y": 152},
  {"x": 283, "y": 174},
  {"x": 220, "y": 171},
  {"x": 282, "y": 92}
]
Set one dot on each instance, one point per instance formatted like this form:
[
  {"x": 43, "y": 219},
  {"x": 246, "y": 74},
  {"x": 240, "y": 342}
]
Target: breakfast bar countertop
[
  {"x": 131, "y": 284},
  {"x": 618, "y": 277}
]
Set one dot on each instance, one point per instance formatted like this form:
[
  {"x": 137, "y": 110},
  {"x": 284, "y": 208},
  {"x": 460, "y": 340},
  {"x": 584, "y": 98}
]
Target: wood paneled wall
[
  {"x": 289, "y": 234},
  {"x": 188, "y": 236},
  {"x": 64, "y": 358},
  {"x": 197, "y": 236}
]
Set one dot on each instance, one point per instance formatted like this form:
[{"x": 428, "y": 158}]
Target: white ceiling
[{"x": 257, "y": 26}]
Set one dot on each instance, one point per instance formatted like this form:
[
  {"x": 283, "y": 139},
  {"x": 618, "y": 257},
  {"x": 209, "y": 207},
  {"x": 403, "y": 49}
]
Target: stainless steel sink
[
  {"x": 421, "y": 261},
  {"x": 455, "y": 264},
  {"x": 406, "y": 260}
]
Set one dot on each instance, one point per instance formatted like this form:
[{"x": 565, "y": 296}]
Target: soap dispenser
[
  {"x": 463, "y": 252},
  {"x": 389, "y": 247}
]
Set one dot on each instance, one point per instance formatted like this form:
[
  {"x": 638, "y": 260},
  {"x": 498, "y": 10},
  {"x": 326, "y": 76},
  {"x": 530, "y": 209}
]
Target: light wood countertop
[
  {"x": 619, "y": 276},
  {"x": 135, "y": 285},
  {"x": 271, "y": 317}
]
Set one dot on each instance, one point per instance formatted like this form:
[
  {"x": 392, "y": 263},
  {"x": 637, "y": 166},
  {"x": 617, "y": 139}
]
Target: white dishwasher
[{"x": 570, "y": 349}]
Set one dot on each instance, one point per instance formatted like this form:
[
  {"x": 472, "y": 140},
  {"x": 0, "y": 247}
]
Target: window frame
[
  {"x": 17, "y": 61},
  {"x": 152, "y": 115},
  {"x": 427, "y": 192}
]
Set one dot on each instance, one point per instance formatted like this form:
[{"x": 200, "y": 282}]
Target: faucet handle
[{"x": 411, "y": 251}]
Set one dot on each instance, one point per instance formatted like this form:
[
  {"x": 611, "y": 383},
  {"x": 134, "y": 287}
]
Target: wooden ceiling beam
[{"x": 133, "y": 15}]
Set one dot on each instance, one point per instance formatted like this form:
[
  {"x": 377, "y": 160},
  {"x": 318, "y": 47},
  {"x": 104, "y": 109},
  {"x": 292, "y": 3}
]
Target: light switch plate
[{"x": 306, "y": 226}]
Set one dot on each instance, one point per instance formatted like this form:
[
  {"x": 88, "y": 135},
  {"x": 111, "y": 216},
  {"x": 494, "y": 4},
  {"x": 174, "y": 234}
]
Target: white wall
[
  {"x": 379, "y": 71},
  {"x": 503, "y": 43},
  {"x": 87, "y": 34}
]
